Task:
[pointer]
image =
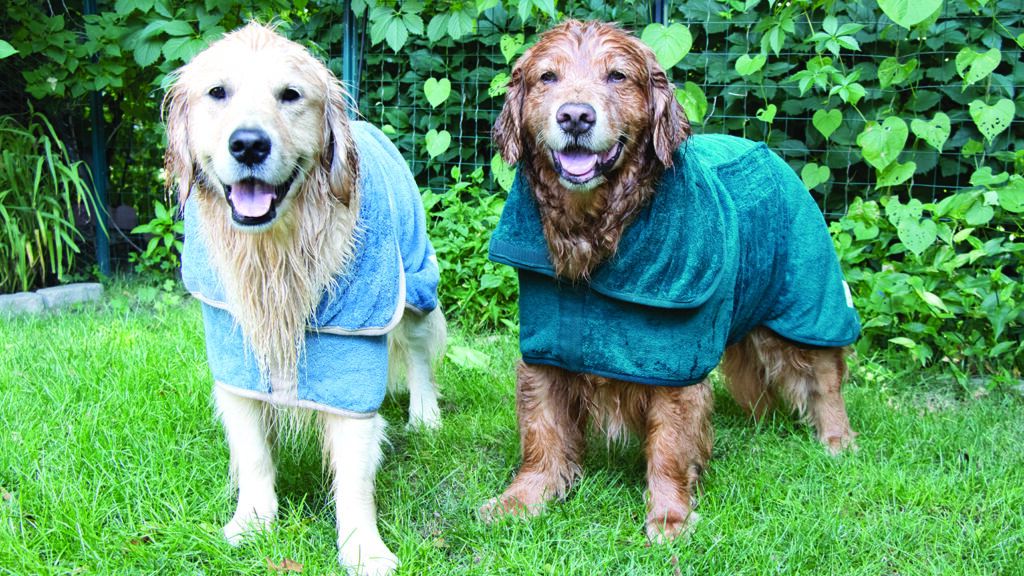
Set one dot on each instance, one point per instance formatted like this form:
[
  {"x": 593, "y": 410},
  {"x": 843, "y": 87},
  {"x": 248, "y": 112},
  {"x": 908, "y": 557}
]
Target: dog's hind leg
[
  {"x": 678, "y": 445},
  {"x": 810, "y": 381},
  {"x": 418, "y": 343},
  {"x": 551, "y": 425},
  {"x": 813, "y": 388},
  {"x": 746, "y": 378},
  {"x": 353, "y": 446},
  {"x": 247, "y": 426}
]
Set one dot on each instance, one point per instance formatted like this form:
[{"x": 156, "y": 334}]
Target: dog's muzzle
[
  {"x": 580, "y": 165},
  {"x": 254, "y": 202}
]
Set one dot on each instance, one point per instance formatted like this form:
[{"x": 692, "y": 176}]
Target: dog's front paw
[
  {"x": 505, "y": 505},
  {"x": 369, "y": 557},
  {"x": 837, "y": 443},
  {"x": 424, "y": 418},
  {"x": 667, "y": 528},
  {"x": 243, "y": 525}
]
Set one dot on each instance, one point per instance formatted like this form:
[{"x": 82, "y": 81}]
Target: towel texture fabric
[
  {"x": 731, "y": 240},
  {"x": 344, "y": 366}
]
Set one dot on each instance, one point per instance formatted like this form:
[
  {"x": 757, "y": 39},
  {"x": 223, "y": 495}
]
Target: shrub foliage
[{"x": 902, "y": 117}]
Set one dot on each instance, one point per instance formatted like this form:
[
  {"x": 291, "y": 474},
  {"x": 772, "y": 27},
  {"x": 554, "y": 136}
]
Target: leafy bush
[
  {"x": 162, "y": 256},
  {"x": 942, "y": 279},
  {"x": 40, "y": 189},
  {"x": 474, "y": 291},
  {"x": 902, "y": 104}
]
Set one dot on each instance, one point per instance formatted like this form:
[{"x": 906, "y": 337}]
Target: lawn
[{"x": 111, "y": 462}]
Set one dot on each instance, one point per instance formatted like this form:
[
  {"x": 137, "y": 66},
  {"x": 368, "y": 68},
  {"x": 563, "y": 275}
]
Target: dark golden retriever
[{"x": 592, "y": 121}]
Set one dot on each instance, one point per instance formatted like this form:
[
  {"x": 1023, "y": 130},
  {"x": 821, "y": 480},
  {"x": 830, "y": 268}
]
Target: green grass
[{"x": 111, "y": 462}]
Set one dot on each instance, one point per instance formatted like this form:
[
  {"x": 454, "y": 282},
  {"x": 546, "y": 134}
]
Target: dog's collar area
[
  {"x": 254, "y": 202},
  {"x": 579, "y": 165}
]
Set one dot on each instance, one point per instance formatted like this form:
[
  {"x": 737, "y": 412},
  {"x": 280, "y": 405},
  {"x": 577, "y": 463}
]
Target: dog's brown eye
[
  {"x": 218, "y": 93},
  {"x": 615, "y": 76},
  {"x": 548, "y": 77},
  {"x": 290, "y": 95}
]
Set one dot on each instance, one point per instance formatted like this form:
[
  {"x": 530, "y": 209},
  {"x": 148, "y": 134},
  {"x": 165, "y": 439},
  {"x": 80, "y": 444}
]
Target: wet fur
[
  {"x": 582, "y": 230},
  {"x": 275, "y": 278}
]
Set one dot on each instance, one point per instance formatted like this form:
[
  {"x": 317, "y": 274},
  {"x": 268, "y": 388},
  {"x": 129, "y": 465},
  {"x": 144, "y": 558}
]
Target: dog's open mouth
[
  {"x": 581, "y": 165},
  {"x": 254, "y": 202}
]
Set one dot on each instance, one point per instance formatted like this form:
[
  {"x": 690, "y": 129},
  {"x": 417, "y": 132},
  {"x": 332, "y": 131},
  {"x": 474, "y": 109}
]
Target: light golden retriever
[
  {"x": 259, "y": 140},
  {"x": 592, "y": 120}
]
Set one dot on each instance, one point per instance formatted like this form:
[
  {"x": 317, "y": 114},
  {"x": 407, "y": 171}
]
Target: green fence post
[
  {"x": 349, "y": 58},
  {"x": 99, "y": 171}
]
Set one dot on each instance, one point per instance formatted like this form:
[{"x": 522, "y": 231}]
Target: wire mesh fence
[{"x": 392, "y": 92}]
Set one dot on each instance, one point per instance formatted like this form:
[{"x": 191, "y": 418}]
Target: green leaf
[
  {"x": 670, "y": 43},
  {"x": 814, "y": 175},
  {"x": 933, "y": 300},
  {"x": 882, "y": 143},
  {"x": 146, "y": 53},
  {"x": 974, "y": 66},
  {"x": 499, "y": 85},
  {"x": 992, "y": 120},
  {"x": 438, "y": 26},
  {"x": 972, "y": 148},
  {"x": 907, "y": 13},
  {"x": 1011, "y": 196},
  {"x": 895, "y": 174},
  {"x": 461, "y": 24},
  {"x": 547, "y": 7},
  {"x": 827, "y": 121},
  {"x": 979, "y": 214},
  {"x": 767, "y": 115},
  {"x": 467, "y": 358},
  {"x": 437, "y": 91},
  {"x": 903, "y": 341},
  {"x": 891, "y": 72},
  {"x": 413, "y": 23},
  {"x": 177, "y": 28},
  {"x": 390, "y": 27},
  {"x": 983, "y": 177},
  {"x": 510, "y": 45},
  {"x": 935, "y": 133},
  {"x": 6, "y": 50},
  {"x": 503, "y": 174},
  {"x": 525, "y": 7},
  {"x": 693, "y": 101},
  {"x": 745, "y": 65},
  {"x": 437, "y": 142},
  {"x": 916, "y": 233}
]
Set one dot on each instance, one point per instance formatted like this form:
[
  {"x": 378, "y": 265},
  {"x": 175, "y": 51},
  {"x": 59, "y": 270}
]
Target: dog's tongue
[
  {"x": 252, "y": 198},
  {"x": 577, "y": 162}
]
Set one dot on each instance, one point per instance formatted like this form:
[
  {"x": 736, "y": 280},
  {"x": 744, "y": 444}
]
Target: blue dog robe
[
  {"x": 731, "y": 240},
  {"x": 344, "y": 366}
]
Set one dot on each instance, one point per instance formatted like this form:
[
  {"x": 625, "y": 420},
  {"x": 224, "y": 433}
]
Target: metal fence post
[
  {"x": 658, "y": 11},
  {"x": 349, "y": 58},
  {"x": 99, "y": 171}
]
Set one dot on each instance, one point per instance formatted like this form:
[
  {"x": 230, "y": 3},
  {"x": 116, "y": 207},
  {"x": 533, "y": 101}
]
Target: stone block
[
  {"x": 60, "y": 296},
  {"x": 21, "y": 303}
]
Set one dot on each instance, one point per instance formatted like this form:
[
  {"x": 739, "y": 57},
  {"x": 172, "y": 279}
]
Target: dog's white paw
[
  {"x": 367, "y": 558},
  {"x": 424, "y": 416},
  {"x": 425, "y": 420},
  {"x": 244, "y": 525}
]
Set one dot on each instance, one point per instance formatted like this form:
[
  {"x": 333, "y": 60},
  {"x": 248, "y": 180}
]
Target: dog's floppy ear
[
  {"x": 669, "y": 126},
  {"x": 339, "y": 159},
  {"x": 178, "y": 162},
  {"x": 508, "y": 127}
]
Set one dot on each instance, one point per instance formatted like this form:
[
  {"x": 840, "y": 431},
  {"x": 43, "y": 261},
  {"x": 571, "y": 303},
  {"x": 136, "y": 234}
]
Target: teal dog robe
[
  {"x": 730, "y": 241},
  {"x": 343, "y": 368}
]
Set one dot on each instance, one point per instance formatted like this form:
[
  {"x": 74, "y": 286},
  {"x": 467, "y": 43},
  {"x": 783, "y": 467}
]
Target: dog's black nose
[
  {"x": 249, "y": 146},
  {"x": 576, "y": 118}
]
